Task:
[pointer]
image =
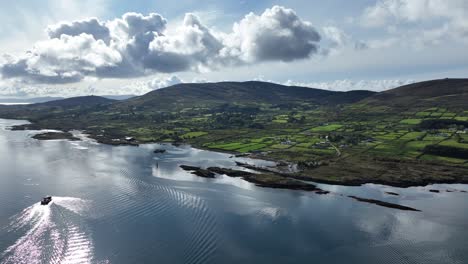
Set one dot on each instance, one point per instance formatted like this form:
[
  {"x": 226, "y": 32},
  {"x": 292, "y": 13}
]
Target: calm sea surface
[{"x": 129, "y": 205}]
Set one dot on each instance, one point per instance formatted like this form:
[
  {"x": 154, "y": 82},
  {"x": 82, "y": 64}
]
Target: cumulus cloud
[
  {"x": 134, "y": 24},
  {"x": 190, "y": 47},
  {"x": 277, "y": 34},
  {"x": 61, "y": 60},
  {"x": 91, "y": 26},
  {"x": 138, "y": 45}
]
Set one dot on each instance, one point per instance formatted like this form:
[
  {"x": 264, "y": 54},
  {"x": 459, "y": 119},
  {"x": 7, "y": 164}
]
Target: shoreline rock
[
  {"x": 269, "y": 180},
  {"x": 384, "y": 204},
  {"x": 198, "y": 171},
  {"x": 56, "y": 136},
  {"x": 229, "y": 172}
]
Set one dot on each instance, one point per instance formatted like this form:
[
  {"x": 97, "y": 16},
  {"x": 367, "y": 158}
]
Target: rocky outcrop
[{"x": 55, "y": 136}]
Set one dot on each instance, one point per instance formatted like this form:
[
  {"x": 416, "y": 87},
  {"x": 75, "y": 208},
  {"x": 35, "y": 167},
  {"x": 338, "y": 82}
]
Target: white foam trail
[
  {"x": 27, "y": 248},
  {"x": 76, "y": 205},
  {"x": 50, "y": 236}
]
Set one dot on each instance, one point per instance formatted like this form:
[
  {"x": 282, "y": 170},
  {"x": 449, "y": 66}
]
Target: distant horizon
[{"x": 3, "y": 99}]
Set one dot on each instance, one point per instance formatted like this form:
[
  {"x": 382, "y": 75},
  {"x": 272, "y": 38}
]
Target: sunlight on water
[
  {"x": 46, "y": 236},
  {"x": 141, "y": 207},
  {"x": 27, "y": 249},
  {"x": 76, "y": 205}
]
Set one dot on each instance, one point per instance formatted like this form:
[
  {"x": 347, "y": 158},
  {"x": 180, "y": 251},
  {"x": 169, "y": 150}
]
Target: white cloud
[
  {"x": 415, "y": 11},
  {"x": 345, "y": 84},
  {"x": 140, "y": 87},
  {"x": 62, "y": 60},
  {"x": 134, "y": 24},
  {"x": 339, "y": 39},
  {"x": 336, "y": 35},
  {"x": 277, "y": 34},
  {"x": 91, "y": 26},
  {"x": 417, "y": 24},
  {"x": 23, "y": 22},
  {"x": 138, "y": 45},
  {"x": 89, "y": 86},
  {"x": 349, "y": 85},
  {"x": 158, "y": 83}
]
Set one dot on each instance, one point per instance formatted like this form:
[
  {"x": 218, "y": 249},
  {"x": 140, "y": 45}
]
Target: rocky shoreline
[
  {"x": 355, "y": 182},
  {"x": 319, "y": 176},
  {"x": 198, "y": 171},
  {"x": 270, "y": 180}
]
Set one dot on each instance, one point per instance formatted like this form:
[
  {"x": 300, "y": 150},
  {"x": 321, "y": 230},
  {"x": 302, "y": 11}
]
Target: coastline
[{"x": 303, "y": 175}]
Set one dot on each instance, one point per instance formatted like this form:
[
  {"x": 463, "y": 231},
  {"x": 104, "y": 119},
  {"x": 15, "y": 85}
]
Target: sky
[{"x": 104, "y": 47}]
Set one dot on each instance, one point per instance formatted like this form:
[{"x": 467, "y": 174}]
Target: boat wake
[
  {"x": 49, "y": 234},
  {"x": 182, "y": 220}
]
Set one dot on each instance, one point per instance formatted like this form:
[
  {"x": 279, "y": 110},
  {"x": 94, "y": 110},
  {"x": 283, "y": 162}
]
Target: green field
[
  {"x": 411, "y": 121},
  {"x": 326, "y": 128},
  {"x": 193, "y": 135}
]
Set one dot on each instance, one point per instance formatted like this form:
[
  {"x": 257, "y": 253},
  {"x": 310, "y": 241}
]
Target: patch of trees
[
  {"x": 442, "y": 123},
  {"x": 285, "y": 106},
  {"x": 229, "y": 108},
  {"x": 257, "y": 126},
  {"x": 349, "y": 139},
  {"x": 231, "y": 120},
  {"x": 446, "y": 151},
  {"x": 296, "y": 120}
]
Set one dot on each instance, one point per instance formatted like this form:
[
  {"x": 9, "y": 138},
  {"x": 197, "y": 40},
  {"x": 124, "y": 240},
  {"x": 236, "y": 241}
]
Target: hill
[
  {"x": 82, "y": 101},
  {"x": 54, "y": 109},
  {"x": 452, "y": 93},
  {"x": 246, "y": 93}
]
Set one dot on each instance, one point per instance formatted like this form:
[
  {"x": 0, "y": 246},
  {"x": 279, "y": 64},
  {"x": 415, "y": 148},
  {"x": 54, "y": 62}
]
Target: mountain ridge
[
  {"x": 441, "y": 91},
  {"x": 448, "y": 92},
  {"x": 247, "y": 92}
]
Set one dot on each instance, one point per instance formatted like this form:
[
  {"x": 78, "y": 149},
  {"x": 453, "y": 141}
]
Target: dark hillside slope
[
  {"x": 253, "y": 92},
  {"x": 54, "y": 108},
  {"x": 76, "y": 101},
  {"x": 450, "y": 93}
]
